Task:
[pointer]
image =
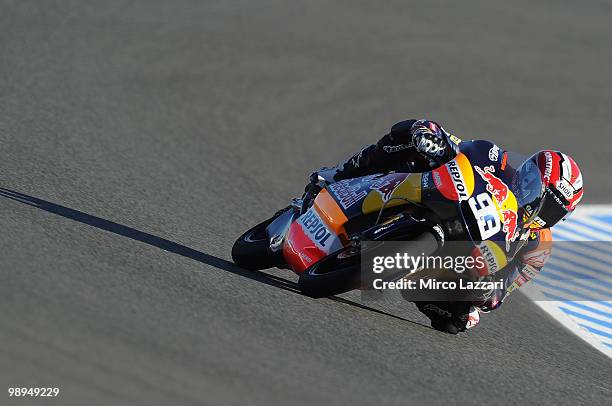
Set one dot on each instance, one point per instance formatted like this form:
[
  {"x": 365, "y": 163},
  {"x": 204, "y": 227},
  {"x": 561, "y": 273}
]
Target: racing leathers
[
  {"x": 421, "y": 146},
  {"x": 410, "y": 146}
]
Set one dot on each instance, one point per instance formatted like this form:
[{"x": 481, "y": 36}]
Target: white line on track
[{"x": 578, "y": 298}]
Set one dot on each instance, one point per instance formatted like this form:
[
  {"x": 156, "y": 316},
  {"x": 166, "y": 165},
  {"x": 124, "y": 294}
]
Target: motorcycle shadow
[{"x": 176, "y": 248}]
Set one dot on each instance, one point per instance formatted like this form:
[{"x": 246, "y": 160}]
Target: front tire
[{"x": 252, "y": 249}]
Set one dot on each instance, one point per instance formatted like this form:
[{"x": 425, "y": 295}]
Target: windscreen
[{"x": 527, "y": 186}]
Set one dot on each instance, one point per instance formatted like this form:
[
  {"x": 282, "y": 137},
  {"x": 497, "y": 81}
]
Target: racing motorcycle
[{"x": 477, "y": 197}]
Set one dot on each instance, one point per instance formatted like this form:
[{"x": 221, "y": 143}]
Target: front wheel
[
  {"x": 252, "y": 249},
  {"x": 337, "y": 273}
]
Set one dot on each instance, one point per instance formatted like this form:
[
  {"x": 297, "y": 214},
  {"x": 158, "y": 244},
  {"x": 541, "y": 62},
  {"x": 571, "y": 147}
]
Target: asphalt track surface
[{"x": 138, "y": 139}]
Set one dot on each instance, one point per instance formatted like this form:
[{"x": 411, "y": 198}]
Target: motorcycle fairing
[
  {"x": 474, "y": 181},
  {"x": 368, "y": 194},
  {"x": 315, "y": 234},
  {"x": 492, "y": 205},
  {"x": 455, "y": 180}
]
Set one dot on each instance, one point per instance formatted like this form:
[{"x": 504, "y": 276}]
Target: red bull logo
[
  {"x": 499, "y": 191},
  {"x": 387, "y": 185},
  {"x": 495, "y": 185},
  {"x": 510, "y": 223}
]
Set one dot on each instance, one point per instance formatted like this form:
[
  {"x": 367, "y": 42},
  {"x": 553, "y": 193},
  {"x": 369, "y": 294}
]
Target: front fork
[{"x": 277, "y": 229}]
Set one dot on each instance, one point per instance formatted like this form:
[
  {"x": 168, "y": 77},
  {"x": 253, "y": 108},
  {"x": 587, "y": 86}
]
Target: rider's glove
[
  {"x": 324, "y": 176},
  {"x": 428, "y": 138},
  {"x": 317, "y": 181},
  {"x": 450, "y": 317}
]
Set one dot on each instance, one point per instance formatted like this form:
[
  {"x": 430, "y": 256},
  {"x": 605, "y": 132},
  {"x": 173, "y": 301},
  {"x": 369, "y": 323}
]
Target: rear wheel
[
  {"x": 252, "y": 249},
  {"x": 337, "y": 273},
  {"x": 340, "y": 271}
]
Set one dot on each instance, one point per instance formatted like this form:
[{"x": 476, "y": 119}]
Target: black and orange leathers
[{"x": 395, "y": 152}]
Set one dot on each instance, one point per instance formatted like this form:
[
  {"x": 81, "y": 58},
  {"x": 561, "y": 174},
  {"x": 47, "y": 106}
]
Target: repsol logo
[
  {"x": 489, "y": 257},
  {"x": 455, "y": 173},
  {"x": 313, "y": 225}
]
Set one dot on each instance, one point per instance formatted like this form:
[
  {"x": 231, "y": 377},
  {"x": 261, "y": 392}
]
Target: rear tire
[
  {"x": 252, "y": 249},
  {"x": 331, "y": 275},
  {"x": 340, "y": 272}
]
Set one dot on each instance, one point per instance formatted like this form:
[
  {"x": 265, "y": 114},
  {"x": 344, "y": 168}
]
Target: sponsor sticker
[
  {"x": 538, "y": 223},
  {"x": 436, "y": 179},
  {"x": 425, "y": 180},
  {"x": 385, "y": 186},
  {"x": 455, "y": 140},
  {"x": 347, "y": 194},
  {"x": 487, "y": 253},
  {"x": 315, "y": 228},
  {"x": 564, "y": 187},
  {"x": 494, "y": 153},
  {"x": 396, "y": 148},
  {"x": 548, "y": 167},
  {"x": 458, "y": 181}
]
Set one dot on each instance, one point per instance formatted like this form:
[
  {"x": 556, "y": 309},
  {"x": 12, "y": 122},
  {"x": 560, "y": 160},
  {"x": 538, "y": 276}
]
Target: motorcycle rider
[{"x": 424, "y": 145}]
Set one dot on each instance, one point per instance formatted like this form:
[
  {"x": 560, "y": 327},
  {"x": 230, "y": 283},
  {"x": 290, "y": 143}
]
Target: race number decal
[{"x": 486, "y": 215}]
